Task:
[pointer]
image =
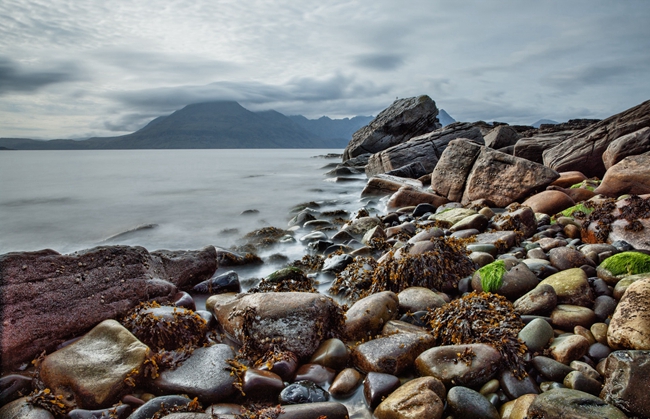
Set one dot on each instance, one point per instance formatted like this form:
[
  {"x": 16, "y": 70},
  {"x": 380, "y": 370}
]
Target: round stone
[
  {"x": 331, "y": 353},
  {"x": 536, "y": 334},
  {"x": 469, "y": 404},
  {"x": 303, "y": 392}
]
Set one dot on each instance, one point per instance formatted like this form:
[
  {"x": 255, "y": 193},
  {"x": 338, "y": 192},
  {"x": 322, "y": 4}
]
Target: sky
[{"x": 77, "y": 69}]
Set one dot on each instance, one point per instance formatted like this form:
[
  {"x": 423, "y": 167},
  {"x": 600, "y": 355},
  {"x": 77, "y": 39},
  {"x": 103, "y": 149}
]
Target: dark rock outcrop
[
  {"x": 47, "y": 298},
  {"x": 404, "y": 119},
  {"x": 424, "y": 149},
  {"x": 584, "y": 150}
]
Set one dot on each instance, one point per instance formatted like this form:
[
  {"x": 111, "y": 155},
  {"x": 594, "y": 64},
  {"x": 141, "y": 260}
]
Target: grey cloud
[
  {"x": 128, "y": 122},
  {"x": 15, "y": 78},
  {"x": 381, "y": 62},
  {"x": 576, "y": 78}
]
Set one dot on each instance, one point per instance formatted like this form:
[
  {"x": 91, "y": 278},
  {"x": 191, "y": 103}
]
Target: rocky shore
[{"x": 490, "y": 271}]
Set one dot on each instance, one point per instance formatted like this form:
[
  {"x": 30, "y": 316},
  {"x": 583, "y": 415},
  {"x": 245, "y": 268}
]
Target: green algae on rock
[
  {"x": 627, "y": 263},
  {"x": 492, "y": 275}
]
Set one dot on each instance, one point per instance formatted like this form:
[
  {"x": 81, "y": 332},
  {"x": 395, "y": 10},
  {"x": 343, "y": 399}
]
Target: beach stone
[
  {"x": 631, "y": 238},
  {"x": 469, "y": 404},
  {"x": 551, "y": 369},
  {"x": 204, "y": 375},
  {"x": 564, "y": 258},
  {"x": 629, "y": 176},
  {"x": 483, "y": 248},
  {"x": 374, "y": 233},
  {"x": 337, "y": 263},
  {"x": 261, "y": 384},
  {"x": 517, "y": 281},
  {"x": 383, "y": 185},
  {"x": 408, "y": 195},
  {"x": 330, "y": 410},
  {"x": 536, "y": 335},
  {"x": 219, "y": 284},
  {"x": 404, "y": 119},
  {"x": 584, "y": 150},
  {"x": 453, "y": 167},
  {"x": 295, "y": 321},
  {"x": 14, "y": 386},
  {"x": 477, "y": 222},
  {"x": 481, "y": 258},
  {"x": 90, "y": 373},
  {"x": 568, "y": 179},
  {"x": 423, "y": 208},
  {"x": 629, "y": 327},
  {"x": 315, "y": 373},
  {"x": 21, "y": 409},
  {"x": 442, "y": 362},
  {"x": 331, "y": 353},
  {"x": 632, "y": 144},
  {"x": 624, "y": 283},
  {"x": 415, "y": 299},
  {"x": 567, "y": 317},
  {"x": 404, "y": 229},
  {"x": 513, "y": 387},
  {"x": 157, "y": 404},
  {"x": 367, "y": 316},
  {"x": 578, "y": 380},
  {"x": 565, "y": 403},
  {"x": 518, "y": 408},
  {"x": 549, "y": 202},
  {"x": 390, "y": 354},
  {"x": 345, "y": 382},
  {"x": 627, "y": 379},
  {"x": 303, "y": 392},
  {"x": 103, "y": 283},
  {"x": 585, "y": 333},
  {"x": 519, "y": 218},
  {"x": 120, "y": 411},
  {"x": 452, "y": 216},
  {"x": 548, "y": 243},
  {"x": 376, "y": 386},
  {"x": 599, "y": 331},
  {"x": 421, "y": 398},
  {"x": 502, "y": 240},
  {"x": 571, "y": 287},
  {"x": 361, "y": 226},
  {"x": 188, "y": 415},
  {"x": 284, "y": 364},
  {"x": 540, "y": 300},
  {"x": 604, "y": 306},
  {"x": 567, "y": 348}
]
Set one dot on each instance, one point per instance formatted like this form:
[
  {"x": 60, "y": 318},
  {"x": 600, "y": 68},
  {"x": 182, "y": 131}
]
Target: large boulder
[
  {"x": 424, "y": 149},
  {"x": 629, "y": 176},
  {"x": 502, "y": 136},
  {"x": 404, "y": 119},
  {"x": 584, "y": 150},
  {"x": 632, "y": 144},
  {"x": 630, "y": 324},
  {"x": 448, "y": 178},
  {"x": 47, "y": 298}
]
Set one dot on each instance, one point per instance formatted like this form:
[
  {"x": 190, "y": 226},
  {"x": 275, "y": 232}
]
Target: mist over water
[{"x": 159, "y": 199}]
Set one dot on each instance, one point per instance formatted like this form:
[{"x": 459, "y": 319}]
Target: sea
[{"x": 160, "y": 199}]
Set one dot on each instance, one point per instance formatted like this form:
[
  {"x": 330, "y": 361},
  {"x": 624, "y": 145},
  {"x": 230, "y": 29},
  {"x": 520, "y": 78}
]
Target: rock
[
  {"x": 390, "y": 354},
  {"x": 303, "y": 392},
  {"x": 629, "y": 327},
  {"x": 532, "y": 148},
  {"x": 404, "y": 119},
  {"x": 583, "y": 151},
  {"x": 613, "y": 227},
  {"x": 627, "y": 375},
  {"x": 516, "y": 282},
  {"x": 102, "y": 283},
  {"x": 604, "y": 306},
  {"x": 367, "y": 316},
  {"x": 330, "y": 410},
  {"x": 477, "y": 222},
  {"x": 571, "y": 287},
  {"x": 568, "y": 179},
  {"x": 567, "y": 348},
  {"x": 120, "y": 411},
  {"x": 377, "y": 386},
  {"x": 565, "y": 403},
  {"x": 409, "y": 196},
  {"x": 629, "y": 176},
  {"x": 502, "y": 240},
  {"x": 424, "y": 149},
  {"x": 13, "y": 386},
  {"x": 382, "y": 185},
  {"x": 413, "y": 171},
  {"x": 504, "y": 179},
  {"x": 91, "y": 373},
  {"x": 418, "y": 299},
  {"x": 204, "y": 375},
  {"x": 421, "y": 398},
  {"x": 551, "y": 369},
  {"x": 637, "y": 142},
  {"x": 469, "y": 404},
  {"x": 514, "y": 387},
  {"x": 296, "y": 321},
  {"x": 580, "y": 381},
  {"x": 184, "y": 268},
  {"x": 567, "y": 317},
  {"x": 502, "y": 136},
  {"x": 332, "y": 353},
  {"x": 374, "y": 233},
  {"x": 157, "y": 404},
  {"x": 549, "y": 202},
  {"x": 315, "y": 373},
  {"x": 453, "y": 168},
  {"x": 219, "y": 284},
  {"x": 536, "y": 335},
  {"x": 21, "y": 409},
  {"x": 541, "y": 300},
  {"x": 442, "y": 362},
  {"x": 521, "y": 219},
  {"x": 337, "y": 263},
  {"x": 361, "y": 226},
  {"x": 564, "y": 258},
  {"x": 345, "y": 382},
  {"x": 452, "y": 216}
]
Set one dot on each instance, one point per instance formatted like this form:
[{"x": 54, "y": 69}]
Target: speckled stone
[
  {"x": 567, "y": 317},
  {"x": 391, "y": 354},
  {"x": 568, "y": 348},
  {"x": 442, "y": 362},
  {"x": 540, "y": 300},
  {"x": 421, "y": 398},
  {"x": 627, "y": 380},
  {"x": 367, "y": 316}
]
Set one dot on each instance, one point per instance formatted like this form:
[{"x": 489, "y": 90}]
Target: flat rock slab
[{"x": 48, "y": 298}]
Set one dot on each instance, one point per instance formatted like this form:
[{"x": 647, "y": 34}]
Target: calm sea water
[{"x": 72, "y": 200}]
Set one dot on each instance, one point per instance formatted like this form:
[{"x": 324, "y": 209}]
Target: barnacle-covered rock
[{"x": 611, "y": 220}]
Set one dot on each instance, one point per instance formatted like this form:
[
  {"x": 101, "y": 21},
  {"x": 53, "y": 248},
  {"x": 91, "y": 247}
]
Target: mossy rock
[
  {"x": 627, "y": 263},
  {"x": 492, "y": 275}
]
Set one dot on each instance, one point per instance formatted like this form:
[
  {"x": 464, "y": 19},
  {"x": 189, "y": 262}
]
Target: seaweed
[
  {"x": 308, "y": 263},
  {"x": 481, "y": 318},
  {"x": 355, "y": 279},
  {"x": 604, "y": 214},
  {"x": 48, "y": 401},
  {"x": 290, "y": 279},
  {"x": 627, "y": 263},
  {"x": 492, "y": 275},
  {"x": 580, "y": 210}
]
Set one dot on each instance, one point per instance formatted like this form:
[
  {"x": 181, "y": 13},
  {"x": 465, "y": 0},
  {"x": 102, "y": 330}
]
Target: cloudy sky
[{"x": 71, "y": 69}]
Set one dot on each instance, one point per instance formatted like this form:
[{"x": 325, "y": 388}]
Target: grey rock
[
  {"x": 536, "y": 334},
  {"x": 541, "y": 300},
  {"x": 637, "y": 142},
  {"x": 565, "y": 403},
  {"x": 469, "y": 404},
  {"x": 502, "y": 136},
  {"x": 627, "y": 379}
]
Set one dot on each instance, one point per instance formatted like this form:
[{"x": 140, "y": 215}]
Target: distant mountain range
[
  {"x": 544, "y": 121},
  {"x": 444, "y": 118},
  {"x": 216, "y": 125}
]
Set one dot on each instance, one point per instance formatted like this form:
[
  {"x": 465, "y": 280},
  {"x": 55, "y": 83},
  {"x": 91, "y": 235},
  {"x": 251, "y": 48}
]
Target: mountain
[
  {"x": 325, "y": 127},
  {"x": 544, "y": 121},
  {"x": 201, "y": 125},
  {"x": 444, "y": 118}
]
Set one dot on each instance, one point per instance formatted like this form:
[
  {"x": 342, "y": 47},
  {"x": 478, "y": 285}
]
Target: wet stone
[
  {"x": 219, "y": 284},
  {"x": 315, "y": 373},
  {"x": 331, "y": 353},
  {"x": 483, "y": 247},
  {"x": 586, "y": 369},
  {"x": 469, "y": 404},
  {"x": 13, "y": 386},
  {"x": 345, "y": 382},
  {"x": 564, "y": 258},
  {"x": 598, "y": 351},
  {"x": 303, "y": 392},
  {"x": 536, "y": 334},
  {"x": 390, "y": 354},
  {"x": 378, "y": 385},
  {"x": 118, "y": 412},
  {"x": 367, "y": 316},
  {"x": 419, "y": 299},
  {"x": 550, "y": 368},
  {"x": 599, "y": 331},
  {"x": 513, "y": 387},
  {"x": 421, "y": 398},
  {"x": 330, "y": 410},
  {"x": 284, "y": 364},
  {"x": 585, "y": 333},
  {"x": 567, "y": 317},
  {"x": 630, "y": 325},
  {"x": 540, "y": 300},
  {"x": 261, "y": 384},
  {"x": 184, "y": 300},
  {"x": 568, "y": 348},
  {"x": 337, "y": 263},
  {"x": 147, "y": 410},
  {"x": 627, "y": 379},
  {"x": 569, "y": 403},
  {"x": 571, "y": 287},
  {"x": 20, "y": 409},
  {"x": 579, "y": 381},
  {"x": 481, "y": 258}
]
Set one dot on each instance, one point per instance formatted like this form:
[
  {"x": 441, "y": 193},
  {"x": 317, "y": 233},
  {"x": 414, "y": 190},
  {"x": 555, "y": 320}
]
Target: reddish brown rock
[
  {"x": 549, "y": 202},
  {"x": 568, "y": 179},
  {"x": 455, "y": 164},
  {"x": 629, "y": 176},
  {"x": 632, "y": 144},
  {"x": 501, "y": 136},
  {"x": 408, "y": 196},
  {"x": 367, "y": 316},
  {"x": 48, "y": 298},
  {"x": 579, "y": 194},
  {"x": 383, "y": 185},
  {"x": 584, "y": 150}
]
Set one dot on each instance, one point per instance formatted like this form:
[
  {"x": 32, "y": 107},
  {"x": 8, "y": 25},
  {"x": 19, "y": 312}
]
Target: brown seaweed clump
[
  {"x": 289, "y": 279},
  {"x": 308, "y": 263},
  {"x": 440, "y": 268},
  {"x": 264, "y": 237},
  {"x": 607, "y": 212},
  {"x": 45, "y": 399},
  {"x": 481, "y": 318},
  {"x": 355, "y": 279}
]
